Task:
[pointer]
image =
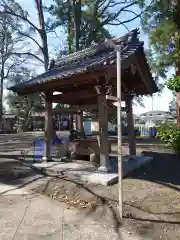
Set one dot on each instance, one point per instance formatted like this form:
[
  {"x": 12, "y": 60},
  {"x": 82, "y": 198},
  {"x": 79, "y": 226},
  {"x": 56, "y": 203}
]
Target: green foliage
[
  {"x": 9, "y": 42},
  {"x": 96, "y": 17},
  {"x": 158, "y": 21},
  {"x": 161, "y": 22},
  {"x": 159, "y": 41},
  {"x": 170, "y": 134},
  {"x": 90, "y": 24},
  {"x": 173, "y": 83},
  {"x": 24, "y": 107},
  {"x": 172, "y": 104}
]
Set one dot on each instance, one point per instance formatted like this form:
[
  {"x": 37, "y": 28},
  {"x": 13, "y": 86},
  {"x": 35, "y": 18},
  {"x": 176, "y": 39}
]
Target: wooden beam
[
  {"x": 76, "y": 88},
  {"x": 143, "y": 72},
  {"x": 143, "y": 77},
  {"x": 77, "y": 79},
  {"x": 89, "y": 101},
  {"x": 73, "y": 96},
  {"x": 66, "y": 110},
  {"x": 74, "y": 109},
  {"x": 60, "y": 84},
  {"x": 112, "y": 98},
  {"x": 125, "y": 64}
]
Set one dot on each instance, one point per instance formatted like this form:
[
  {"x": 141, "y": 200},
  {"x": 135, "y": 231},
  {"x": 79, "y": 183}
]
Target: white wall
[{"x": 93, "y": 126}]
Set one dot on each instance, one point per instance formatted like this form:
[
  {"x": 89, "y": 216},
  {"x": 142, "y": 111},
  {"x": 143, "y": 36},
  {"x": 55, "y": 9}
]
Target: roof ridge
[
  {"x": 96, "y": 48},
  {"x": 132, "y": 33},
  {"x": 96, "y": 57}
]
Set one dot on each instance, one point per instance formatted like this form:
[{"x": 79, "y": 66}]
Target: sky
[{"x": 158, "y": 102}]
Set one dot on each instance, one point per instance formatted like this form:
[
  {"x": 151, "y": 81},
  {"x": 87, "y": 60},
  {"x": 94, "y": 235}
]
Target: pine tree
[
  {"x": 161, "y": 22},
  {"x": 90, "y": 20}
]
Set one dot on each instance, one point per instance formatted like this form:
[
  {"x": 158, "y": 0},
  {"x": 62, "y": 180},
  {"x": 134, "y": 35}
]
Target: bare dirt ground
[{"x": 151, "y": 194}]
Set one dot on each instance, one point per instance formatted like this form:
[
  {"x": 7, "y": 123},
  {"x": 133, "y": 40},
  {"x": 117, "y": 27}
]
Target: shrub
[
  {"x": 170, "y": 134},
  {"x": 173, "y": 84}
]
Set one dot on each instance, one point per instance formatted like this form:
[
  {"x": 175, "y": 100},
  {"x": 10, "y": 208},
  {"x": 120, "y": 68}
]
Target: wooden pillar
[
  {"x": 71, "y": 125},
  {"x": 131, "y": 129},
  {"x": 103, "y": 134},
  {"x": 48, "y": 128},
  {"x": 79, "y": 124},
  {"x": 59, "y": 122}
]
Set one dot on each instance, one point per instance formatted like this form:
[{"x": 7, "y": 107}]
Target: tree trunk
[
  {"x": 176, "y": 19},
  {"x": 3, "y": 49},
  {"x": 1, "y": 97},
  {"x": 70, "y": 29},
  {"x": 77, "y": 22},
  {"x": 45, "y": 51},
  {"x": 43, "y": 33},
  {"x": 178, "y": 101}
]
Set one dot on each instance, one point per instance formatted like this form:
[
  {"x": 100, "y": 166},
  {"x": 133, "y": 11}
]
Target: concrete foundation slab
[
  {"x": 101, "y": 178},
  {"x": 89, "y": 173}
]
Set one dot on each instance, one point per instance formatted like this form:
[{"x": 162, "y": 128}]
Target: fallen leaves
[{"x": 76, "y": 201}]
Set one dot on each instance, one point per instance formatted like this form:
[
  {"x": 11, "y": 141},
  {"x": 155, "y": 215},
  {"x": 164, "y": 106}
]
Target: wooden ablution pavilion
[{"x": 85, "y": 78}]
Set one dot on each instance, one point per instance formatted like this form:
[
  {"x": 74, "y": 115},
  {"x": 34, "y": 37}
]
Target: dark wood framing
[{"x": 80, "y": 90}]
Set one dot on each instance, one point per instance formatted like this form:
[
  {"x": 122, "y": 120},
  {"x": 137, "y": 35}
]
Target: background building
[{"x": 153, "y": 118}]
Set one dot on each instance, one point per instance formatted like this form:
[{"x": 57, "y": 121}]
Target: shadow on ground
[
  {"x": 164, "y": 169},
  {"x": 14, "y": 176},
  {"x": 150, "y": 198},
  {"x": 151, "y": 193}
]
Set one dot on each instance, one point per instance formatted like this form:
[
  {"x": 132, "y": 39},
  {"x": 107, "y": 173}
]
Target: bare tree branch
[
  {"x": 124, "y": 22},
  {"x": 12, "y": 13},
  {"x": 13, "y": 65},
  {"x": 124, "y": 25},
  {"x": 9, "y": 69},
  {"x": 112, "y": 17},
  {"x": 29, "y": 54},
  {"x": 104, "y": 1},
  {"x": 30, "y": 37},
  {"x": 137, "y": 15}
]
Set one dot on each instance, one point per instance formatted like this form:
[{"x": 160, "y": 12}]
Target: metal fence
[{"x": 147, "y": 131}]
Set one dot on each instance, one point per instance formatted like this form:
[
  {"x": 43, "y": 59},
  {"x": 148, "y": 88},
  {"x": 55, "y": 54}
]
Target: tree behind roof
[
  {"x": 162, "y": 23},
  {"x": 24, "y": 107},
  {"x": 90, "y": 20}
]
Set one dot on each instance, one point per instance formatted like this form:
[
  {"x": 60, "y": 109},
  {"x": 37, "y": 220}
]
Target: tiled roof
[{"x": 89, "y": 59}]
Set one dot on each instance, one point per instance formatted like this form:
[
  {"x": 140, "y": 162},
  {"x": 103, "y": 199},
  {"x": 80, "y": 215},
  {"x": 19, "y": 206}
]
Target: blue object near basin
[{"x": 39, "y": 146}]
